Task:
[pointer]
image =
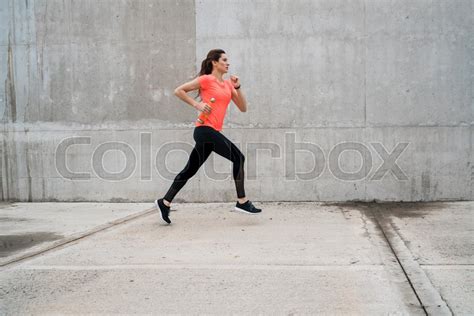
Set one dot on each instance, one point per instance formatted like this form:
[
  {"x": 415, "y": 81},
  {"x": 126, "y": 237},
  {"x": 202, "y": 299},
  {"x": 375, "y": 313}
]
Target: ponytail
[{"x": 206, "y": 65}]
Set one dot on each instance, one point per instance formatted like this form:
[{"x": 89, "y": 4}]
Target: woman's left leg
[{"x": 225, "y": 148}]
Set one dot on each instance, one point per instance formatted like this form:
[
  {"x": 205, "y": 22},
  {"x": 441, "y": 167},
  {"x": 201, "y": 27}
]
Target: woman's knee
[
  {"x": 181, "y": 177},
  {"x": 187, "y": 173},
  {"x": 239, "y": 159}
]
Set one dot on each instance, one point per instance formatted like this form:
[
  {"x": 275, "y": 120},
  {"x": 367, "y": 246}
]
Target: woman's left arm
[{"x": 238, "y": 96}]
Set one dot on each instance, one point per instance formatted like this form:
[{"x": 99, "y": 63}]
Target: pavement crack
[
  {"x": 364, "y": 226},
  {"x": 70, "y": 240},
  {"x": 427, "y": 295},
  {"x": 444, "y": 300}
]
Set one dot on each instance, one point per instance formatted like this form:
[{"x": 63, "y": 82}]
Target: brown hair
[{"x": 206, "y": 65}]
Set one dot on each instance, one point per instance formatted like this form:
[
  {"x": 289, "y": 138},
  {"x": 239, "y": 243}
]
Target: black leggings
[{"x": 209, "y": 140}]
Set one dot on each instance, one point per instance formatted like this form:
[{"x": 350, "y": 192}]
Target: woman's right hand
[{"x": 203, "y": 107}]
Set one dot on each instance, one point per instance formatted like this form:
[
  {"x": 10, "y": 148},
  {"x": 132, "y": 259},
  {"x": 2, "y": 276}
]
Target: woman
[{"x": 207, "y": 133}]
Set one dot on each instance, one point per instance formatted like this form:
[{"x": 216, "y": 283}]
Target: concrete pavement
[{"x": 294, "y": 258}]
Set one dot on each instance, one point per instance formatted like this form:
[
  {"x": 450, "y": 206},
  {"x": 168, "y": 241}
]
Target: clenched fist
[{"x": 235, "y": 81}]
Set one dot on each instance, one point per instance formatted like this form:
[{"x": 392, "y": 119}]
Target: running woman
[{"x": 218, "y": 92}]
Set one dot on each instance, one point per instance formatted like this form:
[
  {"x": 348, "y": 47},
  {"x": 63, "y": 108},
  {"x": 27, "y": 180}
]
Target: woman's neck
[{"x": 218, "y": 75}]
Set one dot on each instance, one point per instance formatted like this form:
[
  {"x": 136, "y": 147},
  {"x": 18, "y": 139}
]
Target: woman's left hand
[{"x": 235, "y": 81}]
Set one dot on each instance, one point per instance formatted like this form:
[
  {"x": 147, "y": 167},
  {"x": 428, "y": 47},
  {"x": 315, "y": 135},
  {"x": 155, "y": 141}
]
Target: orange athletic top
[{"x": 222, "y": 93}]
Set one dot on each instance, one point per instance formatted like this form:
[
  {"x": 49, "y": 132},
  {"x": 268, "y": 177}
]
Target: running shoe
[
  {"x": 164, "y": 210},
  {"x": 247, "y": 208}
]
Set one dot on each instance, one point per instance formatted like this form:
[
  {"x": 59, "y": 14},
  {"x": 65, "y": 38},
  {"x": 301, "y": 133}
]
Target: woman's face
[{"x": 222, "y": 65}]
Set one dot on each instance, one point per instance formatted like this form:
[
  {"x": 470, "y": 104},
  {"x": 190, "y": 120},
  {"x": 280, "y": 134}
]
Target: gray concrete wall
[{"x": 337, "y": 91}]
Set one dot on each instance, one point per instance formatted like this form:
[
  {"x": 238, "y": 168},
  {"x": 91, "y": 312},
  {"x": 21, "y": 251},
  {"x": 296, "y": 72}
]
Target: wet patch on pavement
[
  {"x": 4, "y": 205},
  {"x": 398, "y": 209},
  {"x": 10, "y": 244},
  {"x": 12, "y": 219}
]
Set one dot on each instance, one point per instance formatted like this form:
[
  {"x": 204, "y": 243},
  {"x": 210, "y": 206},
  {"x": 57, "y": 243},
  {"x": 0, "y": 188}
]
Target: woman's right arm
[{"x": 182, "y": 93}]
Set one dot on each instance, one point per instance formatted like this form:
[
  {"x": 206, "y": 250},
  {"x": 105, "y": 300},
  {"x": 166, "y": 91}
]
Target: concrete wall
[{"x": 335, "y": 89}]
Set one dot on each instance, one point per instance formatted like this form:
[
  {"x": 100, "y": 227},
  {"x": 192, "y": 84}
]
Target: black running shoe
[
  {"x": 247, "y": 207},
  {"x": 164, "y": 210}
]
